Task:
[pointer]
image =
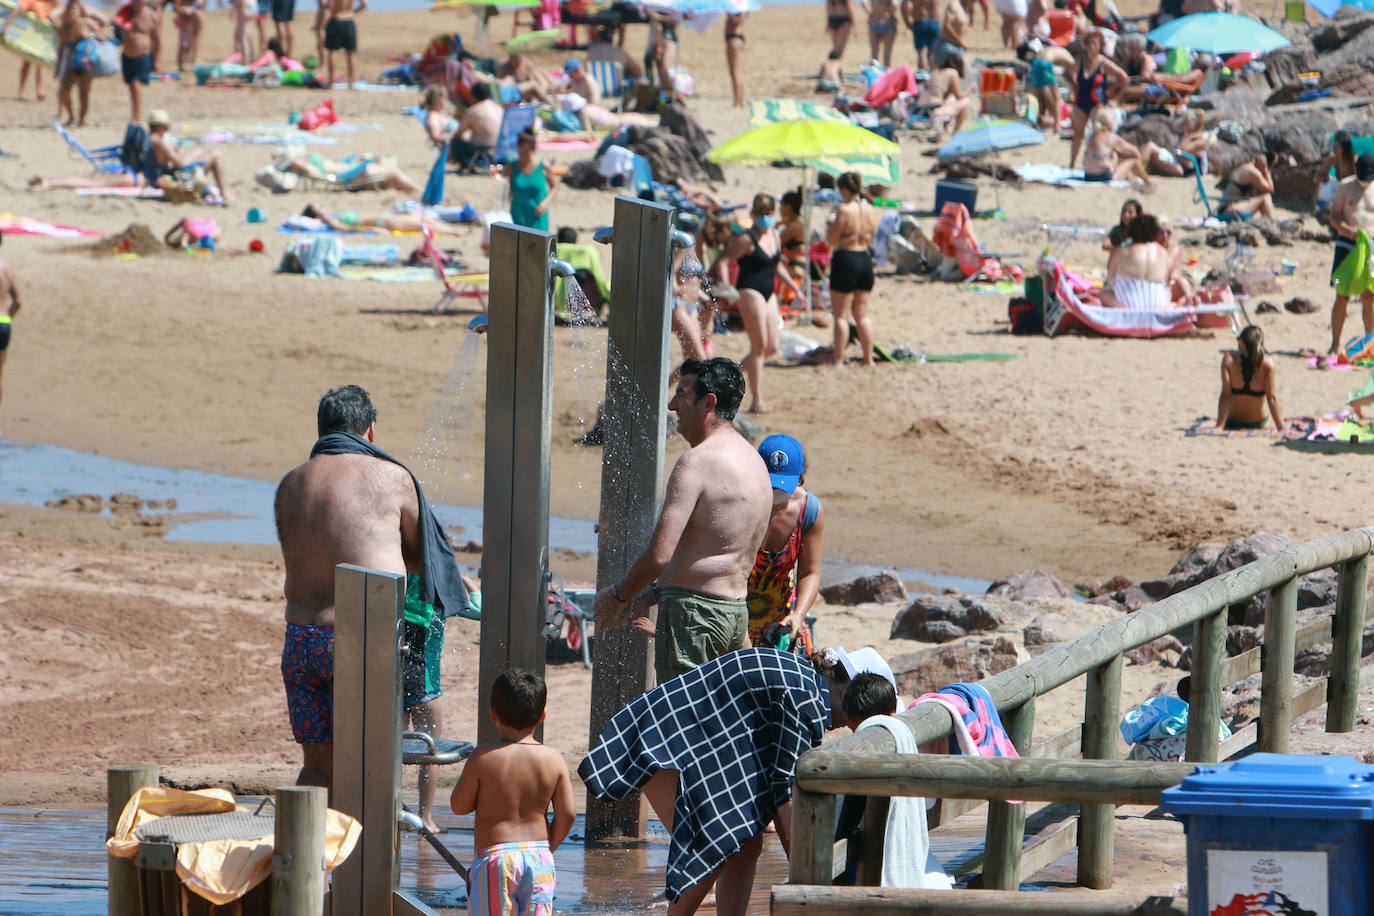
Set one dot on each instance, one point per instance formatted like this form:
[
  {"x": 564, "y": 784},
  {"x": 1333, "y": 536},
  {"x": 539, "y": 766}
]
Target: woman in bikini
[
  {"x": 850, "y": 237},
  {"x": 787, "y": 571},
  {"x": 1138, "y": 271},
  {"x": 1108, "y": 158},
  {"x": 882, "y": 29},
  {"x": 1094, "y": 78},
  {"x": 758, "y": 253},
  {"x": 839, "y": 22},
  {"x": 1247, "y": 385},
  {"x": 734, "y": 46}
]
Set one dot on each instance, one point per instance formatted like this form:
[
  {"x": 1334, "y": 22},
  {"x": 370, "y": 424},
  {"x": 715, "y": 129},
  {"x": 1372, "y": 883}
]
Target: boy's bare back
[{"x": 510, "y": 785}]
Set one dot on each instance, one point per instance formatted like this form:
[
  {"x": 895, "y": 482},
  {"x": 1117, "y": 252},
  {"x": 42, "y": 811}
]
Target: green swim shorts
[
  {"x": 424, "y": 631},
  {"x": 694, "y": 628}
]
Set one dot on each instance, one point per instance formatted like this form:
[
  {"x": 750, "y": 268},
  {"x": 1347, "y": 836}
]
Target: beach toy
[
  {"x": 1289, "y": 267},
  {"x": 208, "y": 243},
  {"x": 293, "y": 118},
  {"x": 255, "y": 245},
  {"x": 322, "y": 115},
  {"x": 255, "y": 215}
]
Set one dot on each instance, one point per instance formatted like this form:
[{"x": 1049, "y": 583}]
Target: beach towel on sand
[
  {"x": 733, "y": 729},
  {"x": 1353, "y": 277}
]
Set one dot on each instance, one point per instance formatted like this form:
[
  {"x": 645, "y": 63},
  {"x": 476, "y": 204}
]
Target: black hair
[
  {"x": 310, "y": 212},
  {"x": 1144, "y": 228},
  {"x": 851, "y": 182},
  {"x": 527, "y": 136},
  {"x": 518, "y": 697},
  {"x": 345, "y": 410},
  {"x": 1341, "y": 141},
  {"x": 567, "y": 235},
  {"x": 719, "y": 376},
  {"x": 275, "y": 47},
  {"x": 793, "y": 199},
  {"x": 1133, "y": 202},
  {"x": 480, "y": 92},
  {"x": 1251, "y": 352},
  {"x": 868, "y": 695},
  {"x": 1117, "y": 236}
]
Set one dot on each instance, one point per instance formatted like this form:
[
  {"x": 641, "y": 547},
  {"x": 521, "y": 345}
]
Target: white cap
[{"x": 865, "y": 661}]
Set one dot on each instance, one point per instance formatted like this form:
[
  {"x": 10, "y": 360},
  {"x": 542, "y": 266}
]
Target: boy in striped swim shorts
[{"x": 510, "y": 785}]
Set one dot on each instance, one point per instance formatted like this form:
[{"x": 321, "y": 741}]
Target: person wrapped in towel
[{"x": 714, "y": 751}]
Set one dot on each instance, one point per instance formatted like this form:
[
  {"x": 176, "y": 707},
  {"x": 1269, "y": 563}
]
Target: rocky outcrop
[
  {"x": 1031, "y": 584},
  {"x": 967, "y": 660},
  {"x": 884, "y": 587},
  {"x": 943, "y": 618}
]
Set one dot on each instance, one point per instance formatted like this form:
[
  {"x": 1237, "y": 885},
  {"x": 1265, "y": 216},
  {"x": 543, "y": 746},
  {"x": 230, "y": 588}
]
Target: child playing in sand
[{"x": 510, "y": 784}]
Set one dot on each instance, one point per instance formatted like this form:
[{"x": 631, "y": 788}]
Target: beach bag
[
  {"x": 104, "y": 59},
  {"x": 564, "y": 121},
  {"x": 1023, "y": 317}
]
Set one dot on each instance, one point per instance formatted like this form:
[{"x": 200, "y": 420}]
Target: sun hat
[
  {"x": 785, "y": 459},
  {"x": 159, "y": 117},
  {"x": 864, "y": 661}
]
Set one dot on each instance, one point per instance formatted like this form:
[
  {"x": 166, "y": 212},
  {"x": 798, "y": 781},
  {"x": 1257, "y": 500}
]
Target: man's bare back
[
  {"x": 341, "y": 9},
  {"x": 342, "y": 509},
  {"x": 481, "y": 123},
  {"x": 510, "y": 786}
]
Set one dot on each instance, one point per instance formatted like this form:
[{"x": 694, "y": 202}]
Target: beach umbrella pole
[{"x": 806, "y": 238}]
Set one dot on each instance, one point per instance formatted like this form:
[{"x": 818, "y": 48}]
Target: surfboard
[{"x": 31, "y": 38}]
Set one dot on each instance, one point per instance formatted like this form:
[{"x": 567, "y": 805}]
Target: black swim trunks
[
  {"x": 5, "y": 327},
  {"x": 137, "y": 68},
  {"x": 341, "y": 35},
  {"x": 283, "y": 10},
  {"x": 851, "y": 271}
]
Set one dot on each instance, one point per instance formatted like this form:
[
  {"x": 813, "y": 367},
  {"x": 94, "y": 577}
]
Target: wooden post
[
  {"x": 631, "y": 465},
  {"x": 298, "y": 850},
  {"x": 813, "y": 837},
  {"x": 874, "y": 842},
  {"x": 120, "y": 785},
  {"x": 1204, "y": 694},
  {"x": 515, "y": 499},
  {"x": 789, "y": 900},
  {"x": 1097, "y": 821},
  {"x": 367, "y": 733},
  {"x": 1276, "y": 677},
  {"x": 1007, "y": 823},
  {"x": 1343, "y": 687}
]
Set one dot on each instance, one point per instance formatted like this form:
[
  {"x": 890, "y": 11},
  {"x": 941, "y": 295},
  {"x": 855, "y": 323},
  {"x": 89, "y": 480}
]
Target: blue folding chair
[
  {"x": 610, "y": 77},
  {"x": 514, "y": 121},
  {"x": 104, "y": 159},
  {"x": 649, "y": 189},
  {"x": 1200, "y": 195}
]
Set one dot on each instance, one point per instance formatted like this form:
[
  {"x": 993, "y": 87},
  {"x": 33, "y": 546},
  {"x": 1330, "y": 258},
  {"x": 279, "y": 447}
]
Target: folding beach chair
[
  {"x": 457, "y": 286},
  {"x": 649, "y": 189},
  {"x": 104, "y": 159},
  {"x": 514, "y": 121},
  {"x": 1200, "y": 195},
  {"x": 610, "y": 77}
]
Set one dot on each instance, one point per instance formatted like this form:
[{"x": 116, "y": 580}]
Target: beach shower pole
[
  {"x": 515, "y": 498},
  {"x": 632, "y": 462}
]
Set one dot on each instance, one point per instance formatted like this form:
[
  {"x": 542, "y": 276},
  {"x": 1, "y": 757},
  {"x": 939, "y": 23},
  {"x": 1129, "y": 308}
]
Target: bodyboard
[{"x": 31, "y": 38}]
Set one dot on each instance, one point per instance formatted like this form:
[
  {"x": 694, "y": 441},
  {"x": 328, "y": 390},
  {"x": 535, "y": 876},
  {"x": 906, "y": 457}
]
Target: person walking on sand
[
  {"x": 340, "y": 33},
  {"x": 715, "y": 512},
  {"x": 533, "y": 185},
  {"x": 353, "y": 503},
  {"x": 923, "y": 18},
  {"x": 283, "y": 14},
  {"x": 141, "y": 38},
  {"x": 75, "y": 23},
  {"x": 882, "y": 29},
  {"x": 1352, "y": 212},
  {"x": 734, "y": 47},
  {"x": 850, "y": 236},
  {"x": 9, "y": 289},
  {"x": 510, "y": 785},
  {"x": 245, "y": 12},
  {"x": 952, "y": 41},
  {"x": 839, "y": 22},
  {"x": 40, "y": 10}
]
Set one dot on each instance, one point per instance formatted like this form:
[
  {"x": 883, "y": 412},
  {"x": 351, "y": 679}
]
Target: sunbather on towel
[
  {"x": 1247, "y": 385},
  {"x": 363, "y": 173},
  {"x": 409, "y": 220},
  {"x": 1138, "y": 273}
]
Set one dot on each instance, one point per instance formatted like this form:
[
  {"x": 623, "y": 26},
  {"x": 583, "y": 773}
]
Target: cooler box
[
  {"x": 951, "y": 190},
  {"x": 1278, "y": 833}
]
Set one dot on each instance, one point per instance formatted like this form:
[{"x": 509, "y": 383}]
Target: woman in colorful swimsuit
[
  {"x": 787, "y": 573},
  {"x": 1094, "y": 78}
]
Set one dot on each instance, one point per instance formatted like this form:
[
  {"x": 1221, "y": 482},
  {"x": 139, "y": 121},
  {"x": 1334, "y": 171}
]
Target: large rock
[
  {"x": 1030, "y": 584},
  {"x": 1317, "y": 589},
  {"x": 1165, "y": 650},
  {"x": 1245, "y": 550},
  {"x": 1195, "y": 560},
  {"x": 941, "y": 618},
  {"x": 968, "y": 660},
  {"x": 882, "y": 588}
]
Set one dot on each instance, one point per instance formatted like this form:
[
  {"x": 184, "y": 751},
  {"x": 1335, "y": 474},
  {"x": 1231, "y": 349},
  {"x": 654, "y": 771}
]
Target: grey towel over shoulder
[{"x": 440, "y": 583}]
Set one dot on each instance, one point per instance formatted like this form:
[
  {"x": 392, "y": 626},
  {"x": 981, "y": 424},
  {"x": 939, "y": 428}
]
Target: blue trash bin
[{"x": 1278, "y": 833}]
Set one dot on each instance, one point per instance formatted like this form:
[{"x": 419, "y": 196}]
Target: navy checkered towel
[{"x": 733, "y": 729}]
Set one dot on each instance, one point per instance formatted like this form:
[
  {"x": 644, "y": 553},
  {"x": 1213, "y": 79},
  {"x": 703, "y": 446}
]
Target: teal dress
[{"x": 527, "y": 192}]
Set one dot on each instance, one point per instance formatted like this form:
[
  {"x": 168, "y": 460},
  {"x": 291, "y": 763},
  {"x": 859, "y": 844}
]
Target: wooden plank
[
  {"x": 1066, "y": 744},
  {"x": 631, "y": 467},
  {"x": 380, "y": 845},
  {"x": 816, "y": 900},
  {"x": 1123, "y": 782},
  {"x": 404, "y": 903},
  {"x": 1007, "y": 823},
  {"x": 839, "y": 857},
  {"x": 948, "y": 809},
  {"x": 1311, "y": 698},
  {"x": 1239, "y": 741},
  {"x": 1049, "y": 850},
  {"x": 350, "y": 654},
  {"x": 1204, "y": 696},
  {"x": 1101, "y": 715},
  {"x": 1347, "y": 643},
  {"x": 298, "y": 850},
  {"x": 813, "y": 831},
  {"x": 1276, "y": 689},
  {"x": 873, "y": 849},
  {"x": 1239, "y": 667}
]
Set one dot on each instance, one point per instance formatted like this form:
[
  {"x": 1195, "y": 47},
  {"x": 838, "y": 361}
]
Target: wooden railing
[{"x": 866, "y": 762}]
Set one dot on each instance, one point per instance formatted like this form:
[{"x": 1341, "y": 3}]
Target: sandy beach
[{"x": 1071, "y": 458}]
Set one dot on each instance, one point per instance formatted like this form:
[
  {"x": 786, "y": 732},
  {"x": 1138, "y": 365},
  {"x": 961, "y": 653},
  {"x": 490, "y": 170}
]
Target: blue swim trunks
[
  {"x": 924, "y": 32},
  {"x": 137, "y": 69},
  {"x": 307, "y": 670}
]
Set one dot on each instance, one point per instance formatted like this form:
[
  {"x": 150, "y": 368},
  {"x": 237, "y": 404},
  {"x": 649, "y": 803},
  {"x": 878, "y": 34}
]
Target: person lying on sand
[
  {"x": 408, "y": 220},
  {"x": 369, "y": 173}
]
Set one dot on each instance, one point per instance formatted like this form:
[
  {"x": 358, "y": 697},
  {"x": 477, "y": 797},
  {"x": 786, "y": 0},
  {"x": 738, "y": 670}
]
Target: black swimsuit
[{"x": 758, "y": 271}]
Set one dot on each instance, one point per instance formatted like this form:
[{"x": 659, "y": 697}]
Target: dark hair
[
  {"x": 518, "y": 697},
  {"x": 1117, "y": 236},
  {"x": 851, "y": 182},
  {"x": 1341, "y": 141},
  {"x": 793, "y": 199},
  {"x": 480, "y": 92},
  {"x": 310, "y": 212},
  {"x": 763, "y": 203},
  {"x": 1251, "y": 351},
  {"x": 527, "y": 136},
  {"x": 827, "y": 664},
  {"x": 719, "y": 376},
  {"x": 567, "y": 235},
  {"x": 1144, "y": 228},
  {"x": 345, "y": 410},
  {"x": 274, "y": 46},
  {"x": 868, "y": 695},
  {"x": 1133, "y": 202}
]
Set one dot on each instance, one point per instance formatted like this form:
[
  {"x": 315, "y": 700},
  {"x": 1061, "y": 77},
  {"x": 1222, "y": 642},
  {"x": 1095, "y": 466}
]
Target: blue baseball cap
[
  {"x": 572, "y": 64},
  {"x": 785, "y": 459}
]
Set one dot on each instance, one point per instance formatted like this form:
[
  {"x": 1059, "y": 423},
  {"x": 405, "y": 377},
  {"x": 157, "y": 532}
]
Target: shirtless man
[
  {"x": 580, "y": 81},
  {"x": 533, "y": 82},
  {"x": 141, "y": 40},
  {"x": 951, "y": 43},
  {"x": 882, "y": 29},
  {"x": 1352, "y": 209},
  {"x": 922, "y": 17},
  {"x": 340, "y": 32},
  {"x": 9, "y": 289},
  {"x": 172, "y": 158},
  {"x": 75, "y": 23},
  {"x": 714, "y": 515},
  {"x": 478, "y": 127}
]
